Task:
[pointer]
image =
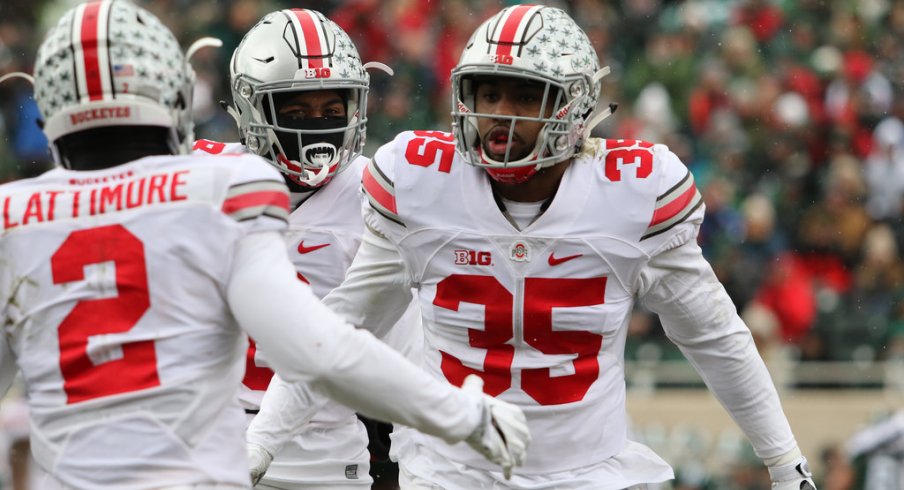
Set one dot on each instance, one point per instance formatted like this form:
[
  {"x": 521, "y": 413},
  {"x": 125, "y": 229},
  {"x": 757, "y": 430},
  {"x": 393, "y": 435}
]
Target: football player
[
  {"x": 299, "y": 94},
  {"x": 529, "y": 243},
  {"x": 131, "y": 275}
]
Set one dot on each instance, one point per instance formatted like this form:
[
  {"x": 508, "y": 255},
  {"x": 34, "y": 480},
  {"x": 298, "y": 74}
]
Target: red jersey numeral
[
  {"x": 541, "y": 295},
  {"x": 481, "y": 290},
  {"x": 256, "y": 377},
  {"x": 135, "y": 367},
  {"x": 423, "y": 150},
  {"x": 207, "y": 146},
  {"x": 628, "y": 152}
]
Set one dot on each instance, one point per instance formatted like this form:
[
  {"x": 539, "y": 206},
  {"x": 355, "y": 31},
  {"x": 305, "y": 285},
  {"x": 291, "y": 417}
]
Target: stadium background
[{"x": 789, "y": 113}]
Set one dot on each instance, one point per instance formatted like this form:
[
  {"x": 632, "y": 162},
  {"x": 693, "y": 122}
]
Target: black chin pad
[{"x": 289, "y": 141}]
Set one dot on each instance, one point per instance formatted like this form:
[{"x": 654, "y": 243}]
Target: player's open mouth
[{"x": 498, "y": 140}]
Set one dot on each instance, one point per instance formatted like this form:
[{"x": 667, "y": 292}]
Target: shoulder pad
[
  {"x": 209, "y": 147},
  {"x": 255, "y": 189}
]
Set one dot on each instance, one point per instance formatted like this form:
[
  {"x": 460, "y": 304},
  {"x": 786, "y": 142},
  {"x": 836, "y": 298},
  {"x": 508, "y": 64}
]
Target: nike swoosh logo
[
  {"x": 553, "y": 261},
  {"x": 306, "y": 250}
]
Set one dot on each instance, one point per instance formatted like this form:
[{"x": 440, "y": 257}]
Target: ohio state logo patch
[{"x": 520, "y": 252}]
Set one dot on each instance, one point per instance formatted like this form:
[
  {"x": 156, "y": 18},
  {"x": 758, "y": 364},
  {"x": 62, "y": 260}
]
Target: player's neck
[
  {"x": 105, "y": 147},
  {"x": 540, "y": 187}
]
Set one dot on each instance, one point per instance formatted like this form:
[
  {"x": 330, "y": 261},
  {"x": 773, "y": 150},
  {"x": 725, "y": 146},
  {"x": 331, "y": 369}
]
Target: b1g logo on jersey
[
  {"x": 317, "y": 72},
  {"x": 520, "y": 252},
  {"x": 473, "y": 257}
]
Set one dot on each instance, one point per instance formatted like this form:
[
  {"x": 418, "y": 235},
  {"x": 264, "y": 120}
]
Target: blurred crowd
[{"x": 788, "y": 112}]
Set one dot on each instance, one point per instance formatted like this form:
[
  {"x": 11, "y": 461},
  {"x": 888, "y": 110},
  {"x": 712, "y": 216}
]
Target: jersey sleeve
[
  {"x": 284, "y": 411},
  {"x": 678, "y": 209},
  {"x": 210, "y": 147},
  {"x": 376, "y": 291},
  {"x": 699, "y": 317},
  {"x": 378, "y": 183},
  {"x": 306, "y": 342},
  {"x": 256, "y": 195}
]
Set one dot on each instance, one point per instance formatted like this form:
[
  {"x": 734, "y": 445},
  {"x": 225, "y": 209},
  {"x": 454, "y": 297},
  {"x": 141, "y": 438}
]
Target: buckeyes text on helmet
[
  {"x": 542, "y": 45},
  {"x": 291, "y": 51},
  {"x": 111, "y": 63}
]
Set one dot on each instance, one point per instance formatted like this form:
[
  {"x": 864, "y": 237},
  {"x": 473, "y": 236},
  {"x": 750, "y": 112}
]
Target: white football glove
[
  {"x": 794, "y": 476},
  {"x": 259, "y": 460},
  {"x": 502, "y": 436}
]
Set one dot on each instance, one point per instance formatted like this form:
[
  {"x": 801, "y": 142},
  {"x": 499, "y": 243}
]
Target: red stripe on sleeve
[
  {"x": 311, "y": 39},
  {"x": 676, "y": 206},
  {"x": 507, "y": 36},
  {"x": 375, "y": 190},
  {"x": 252, "y": 199},
  {"x": 89, "y": 50}
]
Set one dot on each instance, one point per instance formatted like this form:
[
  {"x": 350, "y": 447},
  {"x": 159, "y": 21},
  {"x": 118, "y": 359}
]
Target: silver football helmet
[
  {"x": 290, "y": 51},
  {"x": 544, "y": 45},
  {"x": 111, "y": 63}
]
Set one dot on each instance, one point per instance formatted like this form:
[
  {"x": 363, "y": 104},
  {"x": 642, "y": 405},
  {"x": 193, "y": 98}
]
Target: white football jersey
[
  {"x": 540, "y": 314},
  {"x": 324, "y": 234},
  {"x": 113, "y": 287}
]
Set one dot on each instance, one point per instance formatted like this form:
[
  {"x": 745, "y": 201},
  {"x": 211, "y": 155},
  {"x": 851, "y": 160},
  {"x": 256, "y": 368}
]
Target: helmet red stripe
[
  {"x": 88, "y": 38},
  {"x": 309, "y": 31},
  {"x": 510, "y": 28}
]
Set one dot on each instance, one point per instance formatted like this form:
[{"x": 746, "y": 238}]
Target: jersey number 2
[
  {"x": 134, "y": 366},
  {"x": 541, "y": 295}
]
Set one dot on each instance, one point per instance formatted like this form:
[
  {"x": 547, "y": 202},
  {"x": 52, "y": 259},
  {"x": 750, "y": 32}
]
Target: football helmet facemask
[
  {"x": 543, "y": 45},
  {"x": 287, "y": 52},
  {"x": 111, "y": 63}
]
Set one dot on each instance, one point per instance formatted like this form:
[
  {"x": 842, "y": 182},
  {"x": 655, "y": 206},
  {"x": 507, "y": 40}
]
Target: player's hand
[
  {"x": 502, "y": 435},
  {"x": 258, "y": 461},
  {"x": 794, "y": 476}
]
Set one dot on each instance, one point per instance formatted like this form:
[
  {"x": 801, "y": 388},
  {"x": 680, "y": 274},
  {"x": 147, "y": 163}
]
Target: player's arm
[
  {"x": 876, "y": 435},
  {"x": 376, "y": 279},
  {"x": 285, "y": 409},
  {"x": 306, "y": 342},
  {"x": 377, "y": 286},
  {"x": 376, "y": 290},
  {"x": 700, "y": 318}
]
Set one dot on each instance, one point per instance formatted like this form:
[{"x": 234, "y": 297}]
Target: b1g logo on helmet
[
  {"x": 473, "y": 257},
  {"x": 502, "y": 59},
  {"x": 520, "y": 252},
  {"x": 320, "y": 72}
]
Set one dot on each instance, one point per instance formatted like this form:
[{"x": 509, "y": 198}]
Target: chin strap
[
  {"x": 314, "y": 179},
  {"x": 231, "y": 111},
  {"x": 597, "y": 117}
]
